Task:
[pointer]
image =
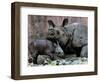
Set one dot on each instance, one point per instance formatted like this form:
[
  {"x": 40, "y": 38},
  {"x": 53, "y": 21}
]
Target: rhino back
[
  {"x": 78, "y": 33},
  {"x": 80, "y": 36},
  {"x": 42, "y": 44}
]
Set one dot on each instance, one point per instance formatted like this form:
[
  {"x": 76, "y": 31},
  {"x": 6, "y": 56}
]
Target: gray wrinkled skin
[
  {"x": 84, "y": 51},
  {"x": 71, "y": 37},
  {"x": 43, "y": 47},
  {"x": 78, "y": 33}
]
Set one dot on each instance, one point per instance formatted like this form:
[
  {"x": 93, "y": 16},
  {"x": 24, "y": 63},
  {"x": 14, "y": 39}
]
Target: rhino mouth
[{"x": 52, "y": 34}]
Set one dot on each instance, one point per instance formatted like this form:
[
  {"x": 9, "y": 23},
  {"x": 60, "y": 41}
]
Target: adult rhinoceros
[{"x": 71, "y": 37}]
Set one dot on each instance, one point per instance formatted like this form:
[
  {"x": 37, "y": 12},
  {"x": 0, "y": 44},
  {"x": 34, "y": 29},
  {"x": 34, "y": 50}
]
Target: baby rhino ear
[
  {"x": 51, "y": 24},
  {"x": 65, "y": 22}
]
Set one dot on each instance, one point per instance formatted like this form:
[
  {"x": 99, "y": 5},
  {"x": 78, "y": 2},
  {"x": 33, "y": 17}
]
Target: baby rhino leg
[
  {"x": 84, "y": 51},
  {"x": 34, "y": 56}
]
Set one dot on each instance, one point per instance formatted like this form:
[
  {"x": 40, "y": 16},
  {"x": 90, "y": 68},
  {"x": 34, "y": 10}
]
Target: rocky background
[{"x": 37, "y": 29}]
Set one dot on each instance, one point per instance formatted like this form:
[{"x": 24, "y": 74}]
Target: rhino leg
[
  {"x": 84, "y": 51},
  {"x": 30, "y": 59},
  {"x": 34, "y": 57}
]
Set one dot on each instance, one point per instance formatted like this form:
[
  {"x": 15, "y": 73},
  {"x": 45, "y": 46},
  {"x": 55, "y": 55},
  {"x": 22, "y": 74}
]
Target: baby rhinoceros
[{"x": 43, "y": 47}]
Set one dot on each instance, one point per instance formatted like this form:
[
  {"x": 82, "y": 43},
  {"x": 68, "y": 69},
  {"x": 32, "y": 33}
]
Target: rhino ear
[
  {"x": 65, "y": 22},
  {"x": 51, "y": 24}
]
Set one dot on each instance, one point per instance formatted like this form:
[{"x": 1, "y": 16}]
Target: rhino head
[{"x": 58, "y": 33}]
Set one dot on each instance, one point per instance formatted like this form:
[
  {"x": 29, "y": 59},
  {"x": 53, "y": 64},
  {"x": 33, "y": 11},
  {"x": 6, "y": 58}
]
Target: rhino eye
[{"x": 58, "y": 32}]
